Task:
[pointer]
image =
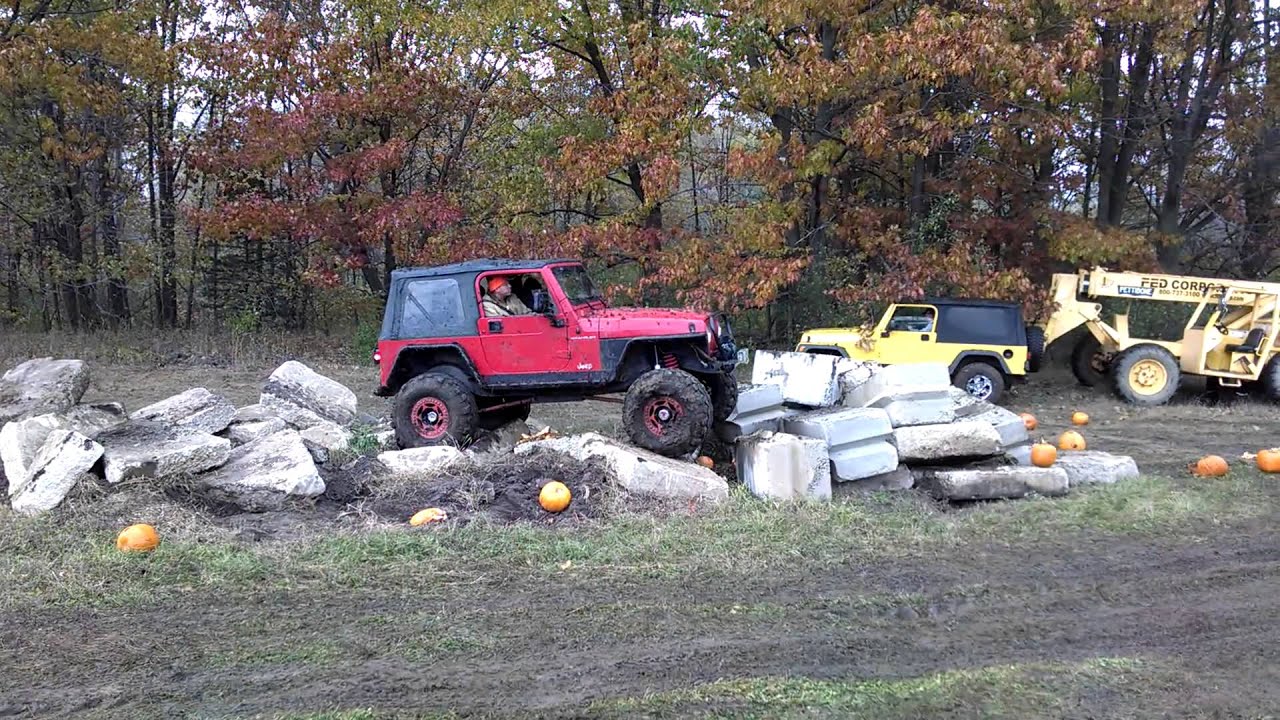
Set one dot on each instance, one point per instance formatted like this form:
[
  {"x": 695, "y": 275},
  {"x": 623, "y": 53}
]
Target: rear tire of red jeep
[
  {"x": 668, "y": 412},
  {"x": 433, "y": 409}
]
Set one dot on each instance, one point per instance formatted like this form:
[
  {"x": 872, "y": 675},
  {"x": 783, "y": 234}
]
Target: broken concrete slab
[
  {"x": 991, "y": 483},
  {"x": 780, "y": 466},
  {"x": 40, "y": 386},
  {"x": 912, "y": 394},
  {"x": 421, "y": 460},
  {"x": 900, "y": 478},
  {"x": 253, "y": 413},
  {"x": 305, "y": 398},
  {"x": 62, "y": 461},
  {"x": 852, "y": 374},
  {"x": 857, "y": 439},
  {"x": 93, "y": 420},
  {"x": 952, "y": 441},
  {"x": 144, "y": 449},
  {"x": 965, "y": 405},
  {"x": 264, "y": 474},
  {"x": 20, "y": 442},
  {"x": 760, "y": 407},
  {"x": 196, "y": 409},
  {"x": 328, "y": 436},
  {"x": 640, "y": 471},
  {"x": 1094, "y": 467},
  {"x": 806, "y": 379},
  {"x": 242, "y": 433},
  {"x": 1014, "y": 438}
]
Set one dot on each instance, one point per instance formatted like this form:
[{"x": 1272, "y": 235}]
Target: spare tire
[{"x": 1035, "y": 347}]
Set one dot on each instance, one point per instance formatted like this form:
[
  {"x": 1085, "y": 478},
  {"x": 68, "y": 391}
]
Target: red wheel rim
[
  {"x": 430, "y": 418},
  {"x": 660, "y": 413}
]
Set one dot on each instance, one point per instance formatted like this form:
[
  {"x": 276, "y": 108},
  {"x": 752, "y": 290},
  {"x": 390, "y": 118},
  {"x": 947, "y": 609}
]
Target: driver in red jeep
[{"x": 500, "y": 301}]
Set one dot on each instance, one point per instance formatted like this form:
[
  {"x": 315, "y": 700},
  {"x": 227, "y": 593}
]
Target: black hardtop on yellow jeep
[{"x": 985, "y": 343}]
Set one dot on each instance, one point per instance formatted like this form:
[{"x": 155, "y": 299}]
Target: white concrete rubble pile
[
  {"x": 253, "y": 457},
  {"x": 889, "y": 428},
  {"x": 639, "y": 471},
  {"x": 421, "y": 461}
]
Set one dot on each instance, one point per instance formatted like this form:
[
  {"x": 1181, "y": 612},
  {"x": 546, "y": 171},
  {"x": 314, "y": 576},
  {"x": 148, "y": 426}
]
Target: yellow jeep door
[{"x": 907, "y": 334}]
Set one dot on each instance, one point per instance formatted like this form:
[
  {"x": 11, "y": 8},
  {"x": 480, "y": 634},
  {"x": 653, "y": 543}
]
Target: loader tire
[
  {"x": 1088, "y": 362},
  {"x": 1146, "y": 375},
  {"x": 1035, "y": 348},
  {"x": 1270, "y": 379}
]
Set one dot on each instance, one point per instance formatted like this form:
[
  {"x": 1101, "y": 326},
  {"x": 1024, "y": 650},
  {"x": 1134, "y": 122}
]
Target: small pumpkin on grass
[
  {"x": 1043, "y": 454},
  {"x": 1209, "y": 466},
  {"x": 428, "y": 515},
  {"x": 1268, "y": 460},
  {"x": 1071, "y": 440},
  {"x": 1029, "y": 420},
  {"x": 554, "y": 496},
  {"x": 138, "y": 538}
]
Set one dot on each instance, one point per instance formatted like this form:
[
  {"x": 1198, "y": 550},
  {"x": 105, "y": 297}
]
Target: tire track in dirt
[{"x": 1209, "y": 607}]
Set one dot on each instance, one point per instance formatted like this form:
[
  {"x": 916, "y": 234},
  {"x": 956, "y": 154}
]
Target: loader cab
[{"x": 1231, "y": 334}]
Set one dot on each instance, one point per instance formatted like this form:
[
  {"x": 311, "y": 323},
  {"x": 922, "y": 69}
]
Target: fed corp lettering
[{"x": 1161, "y": 283}]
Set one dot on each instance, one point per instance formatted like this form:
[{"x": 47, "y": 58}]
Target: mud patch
[{"x": 503, "y": 489}]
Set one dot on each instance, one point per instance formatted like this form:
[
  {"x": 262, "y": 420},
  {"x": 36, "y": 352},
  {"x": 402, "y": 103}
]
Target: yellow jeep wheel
[{"x": 1146, "y": 375}]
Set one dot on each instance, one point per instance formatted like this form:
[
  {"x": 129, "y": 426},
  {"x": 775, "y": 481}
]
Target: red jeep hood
[{"x": 634, "y": 322}]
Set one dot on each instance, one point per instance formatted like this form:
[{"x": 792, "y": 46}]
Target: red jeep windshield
[{"x": 576, "y": 284}]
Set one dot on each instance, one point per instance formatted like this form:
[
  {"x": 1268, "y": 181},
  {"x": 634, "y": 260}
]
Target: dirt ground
[{"x": 1198, "y": 607}]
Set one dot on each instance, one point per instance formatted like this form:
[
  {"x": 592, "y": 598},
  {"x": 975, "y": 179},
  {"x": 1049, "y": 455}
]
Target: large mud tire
[
  {"x": 724, "y": 395},
  {"x": 1089, "y": 363},
  {"x": 1035, "y": 348},
  {"x": 668, "y": 412},
  {"x": 1270, "y": 379},
  {"x": 434, "y": 409},
  {"x": 1146, "y": 375}
]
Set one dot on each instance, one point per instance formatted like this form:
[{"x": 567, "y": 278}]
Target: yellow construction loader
[{"x": 1230, "y": 337}]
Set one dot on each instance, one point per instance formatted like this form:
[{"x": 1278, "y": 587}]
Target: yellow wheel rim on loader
[{"x": 1148, "y": 377}]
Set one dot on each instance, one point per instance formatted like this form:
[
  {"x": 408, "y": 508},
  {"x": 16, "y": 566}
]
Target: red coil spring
[{"x": 669, "y": 359}]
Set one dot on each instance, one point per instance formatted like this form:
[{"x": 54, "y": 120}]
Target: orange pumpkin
[
  {"x": 555, "y": 496},
  {"x": 138, "y": 538},
  {"x": 1269, "y": 460},
  {"x": 1071, "y": 440},
  {"x": 1029, "y": 420},
  {"x": 429, "y": 515},
  {"x": 1043, "y": 454},
  {"x": 1209, "y": 466},
  {"x": 1079, "y": 418},
  {"x": 706, "y": 462}
]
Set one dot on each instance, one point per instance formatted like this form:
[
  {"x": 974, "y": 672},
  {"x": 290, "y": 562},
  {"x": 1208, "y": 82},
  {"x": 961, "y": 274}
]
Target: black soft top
[{"x": 471, "y": 267}]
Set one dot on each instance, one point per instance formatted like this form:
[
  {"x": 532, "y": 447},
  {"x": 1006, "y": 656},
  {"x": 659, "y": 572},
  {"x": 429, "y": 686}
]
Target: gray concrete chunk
[
  {"x": 991, "y": 483},
  {"x": 954, "y": 441},
  {"x": 195, "y": 409},
  {"x": 41, "y": 386},
  {"x": 421, "y": 461},
  {"x": 900, "y": 478},
  {"x": 857, "y": 439},
  {"x": 1093, "y": 467},
  {"x": 640, "y": 471},
  {"x": 93, "y": 420},
  {"x": 242, "y": 433},
  {"x": 783, "y": 467},
  {"x": 20, "y": 442},
  {"x": 912, "y": 394},
  {"x": 265, "y": 473},
  {"x": 305, "y": 398},
  {"x": 760, "y": 407},
  {"x": 150, "y": 450},
  {"x": 806, "y": 379},
  {"x": 62, "y": 461}
]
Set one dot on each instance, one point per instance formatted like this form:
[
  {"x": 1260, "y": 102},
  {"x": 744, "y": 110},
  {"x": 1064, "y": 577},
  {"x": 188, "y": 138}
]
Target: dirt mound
[{"x": 503, "y": 489}]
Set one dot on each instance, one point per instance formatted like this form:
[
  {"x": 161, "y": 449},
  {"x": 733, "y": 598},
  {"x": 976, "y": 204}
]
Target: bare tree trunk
[{"x": 1108, "y": 138}]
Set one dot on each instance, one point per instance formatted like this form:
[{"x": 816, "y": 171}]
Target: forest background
[{"x": 263, "y": 165}]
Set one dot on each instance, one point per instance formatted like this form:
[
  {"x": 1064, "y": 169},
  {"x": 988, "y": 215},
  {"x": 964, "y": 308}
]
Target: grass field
[{"x": 1154, "y": 598}]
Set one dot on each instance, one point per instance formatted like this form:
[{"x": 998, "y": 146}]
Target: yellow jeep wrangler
[{"x": 985, "y": 343}]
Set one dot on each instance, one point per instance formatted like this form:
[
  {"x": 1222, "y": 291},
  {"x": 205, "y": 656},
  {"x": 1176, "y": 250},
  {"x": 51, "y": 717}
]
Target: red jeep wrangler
[{"x": 454, "y": 371}]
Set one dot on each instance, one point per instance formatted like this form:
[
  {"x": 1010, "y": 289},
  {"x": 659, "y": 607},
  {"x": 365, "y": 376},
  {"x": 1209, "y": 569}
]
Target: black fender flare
[{"x": 969, "y": 356}]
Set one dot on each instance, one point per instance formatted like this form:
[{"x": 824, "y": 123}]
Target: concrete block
[
  {"x": 857, "y": 440},
  {"x": 953, "y": 441},
  {"x": 913, "y": 394},
  {"x": 1092, "y": 467},
  {"x": 991, "y": 483},
  {"x": 760, "y": 407},
  {"x": 806, "y": 379},
  {"x": 1014, "y": 438},
  {"x": 900, "y": 478},
  {"x": 965, "y": 405},
  {"x": 783, "y": 467}
]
